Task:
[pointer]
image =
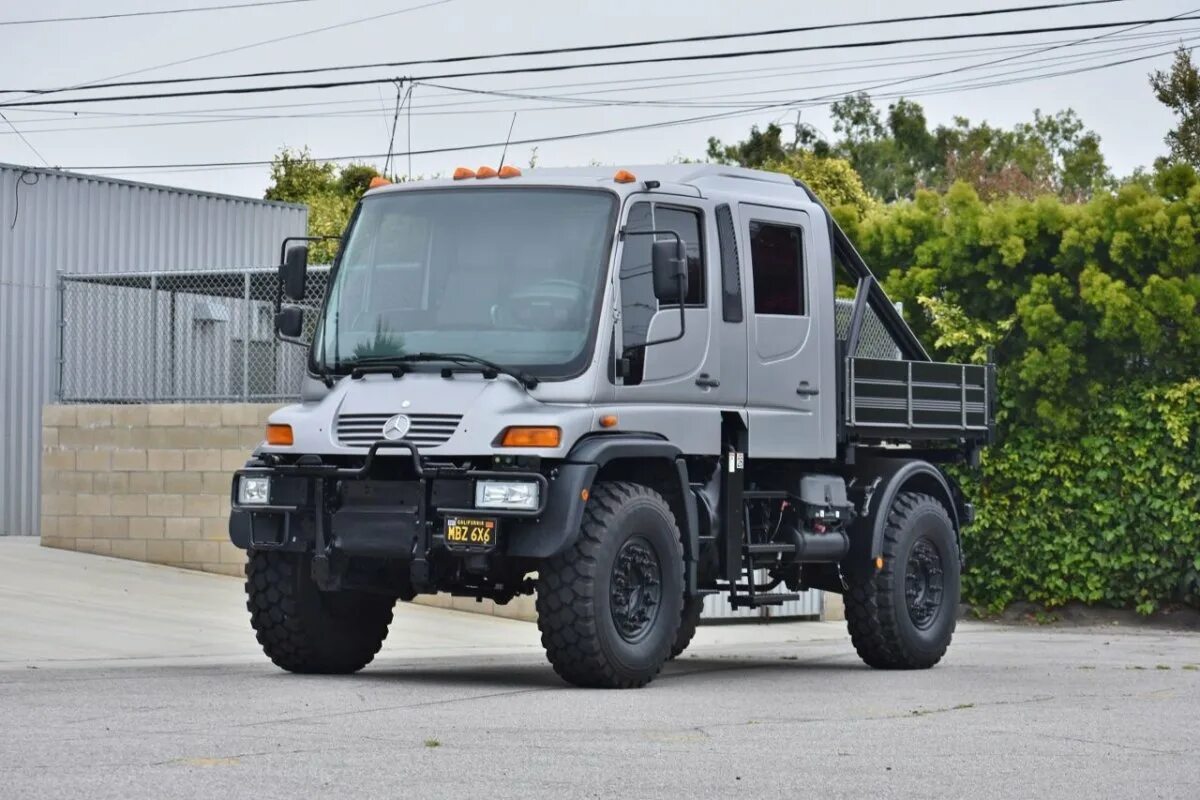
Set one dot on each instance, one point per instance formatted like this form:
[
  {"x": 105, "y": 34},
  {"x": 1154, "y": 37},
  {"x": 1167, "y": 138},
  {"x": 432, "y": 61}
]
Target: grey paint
[{"x": 53, "y": 222}]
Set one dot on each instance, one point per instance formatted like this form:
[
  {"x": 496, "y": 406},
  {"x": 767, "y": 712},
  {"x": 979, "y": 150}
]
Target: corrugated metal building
[{"x": 51, "y": 222}]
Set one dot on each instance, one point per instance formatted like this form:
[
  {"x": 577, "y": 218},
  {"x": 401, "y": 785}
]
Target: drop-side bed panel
[{"x": 920, "y": 400}]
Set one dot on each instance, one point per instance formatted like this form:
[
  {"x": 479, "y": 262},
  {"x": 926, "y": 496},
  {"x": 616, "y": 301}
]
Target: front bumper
[{"x": 360, "y": 511}]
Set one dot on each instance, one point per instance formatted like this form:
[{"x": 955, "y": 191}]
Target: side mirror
[
  {"x": 293, "y": 272},
  {"x": 289, "y": 321},
  {"x": 668, "y": 264}
]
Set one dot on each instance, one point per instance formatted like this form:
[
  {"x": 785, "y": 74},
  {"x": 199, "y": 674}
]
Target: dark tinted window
[
  {"x": 731, "y": 279},
  {"x": 685, "y": 222},
  {"x": 777, "y": 258}
]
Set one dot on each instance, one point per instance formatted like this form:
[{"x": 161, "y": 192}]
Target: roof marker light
[
  {"x": 509, "y": 171},
  {"x": 625, "y": 176},
  {"x": 378, "y": 181},
  {"x": 462, "y": 173},
  {"x": 485, "y": 172}
]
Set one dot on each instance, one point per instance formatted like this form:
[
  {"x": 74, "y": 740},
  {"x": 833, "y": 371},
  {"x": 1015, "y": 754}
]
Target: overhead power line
[
  {"x": 159, "y": 13},
  {"x": 581, "y": 48},
  {"x": 798, "y": 102},
  {"x": 595, "y": 64}
]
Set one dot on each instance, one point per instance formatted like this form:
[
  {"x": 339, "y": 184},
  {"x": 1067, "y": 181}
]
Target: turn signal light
[
  {"x": 509, "y": 171},
  {"x": 608, "y": 421},
  {"x": 625, "y": 176},
  {"x": 280, "y": 435},
  {"x": 485, "y": 172},
  {"x": 378, "y": 181},
  {"x": 521, "y": 436},
  {"x": 462, "y": 173}
]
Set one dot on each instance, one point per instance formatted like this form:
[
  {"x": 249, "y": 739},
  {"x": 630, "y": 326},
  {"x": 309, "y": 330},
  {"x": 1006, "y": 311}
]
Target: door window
[{"x": 777, "y": 257}]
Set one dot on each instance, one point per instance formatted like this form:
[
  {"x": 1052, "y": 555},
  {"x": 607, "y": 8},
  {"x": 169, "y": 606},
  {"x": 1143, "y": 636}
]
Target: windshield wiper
[{"x": 489, "y": 369}]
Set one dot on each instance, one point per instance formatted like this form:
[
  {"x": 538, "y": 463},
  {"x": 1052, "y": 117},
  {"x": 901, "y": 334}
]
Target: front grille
[{"x": 427, "y": 430}]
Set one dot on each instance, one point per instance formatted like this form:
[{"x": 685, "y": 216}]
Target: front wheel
[
  {"x": 902, "y": 615},
  {"x": 610, "y": 606},
  {"x": 303, "y": 629}
]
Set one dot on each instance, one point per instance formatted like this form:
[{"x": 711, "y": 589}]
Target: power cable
[
  {"x": 28, "y": 144},
  {"x": 592, "y": 65},
  {"x": 159, "y": 13},
  {"x": 565, "y": 50}
]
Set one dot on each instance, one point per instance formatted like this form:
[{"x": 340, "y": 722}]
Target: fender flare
[{"x": 878, "y": 482}]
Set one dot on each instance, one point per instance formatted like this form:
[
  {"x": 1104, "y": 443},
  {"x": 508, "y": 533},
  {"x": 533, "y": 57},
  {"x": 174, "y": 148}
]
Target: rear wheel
[
  {"x": 902, "y": 615},
  {"x": 303, "y": 629},
  {"x": 609, "y": 607}
]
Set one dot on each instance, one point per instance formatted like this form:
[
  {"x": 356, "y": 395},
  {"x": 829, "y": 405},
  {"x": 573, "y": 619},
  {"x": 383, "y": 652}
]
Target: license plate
[{"x": 470, "y": 532}]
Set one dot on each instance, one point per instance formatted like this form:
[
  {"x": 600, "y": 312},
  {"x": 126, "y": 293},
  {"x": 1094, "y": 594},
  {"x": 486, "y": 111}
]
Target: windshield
[{"x": 510, "y": 275}]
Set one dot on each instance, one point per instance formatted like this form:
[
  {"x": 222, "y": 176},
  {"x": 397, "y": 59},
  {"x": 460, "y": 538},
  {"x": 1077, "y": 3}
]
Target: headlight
[
  {"x": 254, "y": 491},
  {"x": 520, "y": 495}
]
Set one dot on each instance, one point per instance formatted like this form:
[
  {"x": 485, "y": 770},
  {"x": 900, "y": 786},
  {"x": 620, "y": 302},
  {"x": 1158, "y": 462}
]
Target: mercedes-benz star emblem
[{"x": 396, "y": 428}]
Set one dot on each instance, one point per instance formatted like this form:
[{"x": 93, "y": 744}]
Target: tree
[{"x": 1179, "y": 90}]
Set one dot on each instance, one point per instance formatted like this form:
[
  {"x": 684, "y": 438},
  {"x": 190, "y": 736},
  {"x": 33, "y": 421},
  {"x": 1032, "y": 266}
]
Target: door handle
[
  {"x": 804, "y": 391},
  {"x": 706, "y": 382}
]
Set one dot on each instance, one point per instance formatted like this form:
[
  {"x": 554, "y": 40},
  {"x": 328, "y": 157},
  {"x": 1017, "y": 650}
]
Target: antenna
[{"x": 507, "y": 139}]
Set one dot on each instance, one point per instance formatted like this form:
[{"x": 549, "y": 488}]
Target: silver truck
[{"x": 622, "y": 390}]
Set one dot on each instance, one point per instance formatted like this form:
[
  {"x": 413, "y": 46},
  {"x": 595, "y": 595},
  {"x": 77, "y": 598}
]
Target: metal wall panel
[
  {"x": 53, "y": 222},
  {"x": 716, "y": 606}
]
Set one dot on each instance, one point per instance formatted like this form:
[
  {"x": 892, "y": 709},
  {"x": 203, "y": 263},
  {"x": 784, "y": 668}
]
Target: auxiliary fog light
[
  {"x": 520, "y": 495},
  {"x": 254, "y": 491}
]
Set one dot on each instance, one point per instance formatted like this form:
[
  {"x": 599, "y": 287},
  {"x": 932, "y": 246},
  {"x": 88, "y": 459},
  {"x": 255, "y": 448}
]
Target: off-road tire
[
  {"x": 303, "y": 629},
  {"x": 689, "y": 621},
  {"x": 574, "y": 591},
  {"x": 877, "y": 611}
]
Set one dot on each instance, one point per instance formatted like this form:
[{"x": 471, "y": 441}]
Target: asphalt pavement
[{"x": 126, "y": 680}]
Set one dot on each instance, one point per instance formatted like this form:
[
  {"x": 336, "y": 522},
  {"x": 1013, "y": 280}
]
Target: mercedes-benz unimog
[{"x": 620, "y": 391}]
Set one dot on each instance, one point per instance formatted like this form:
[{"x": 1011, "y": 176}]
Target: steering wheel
[{"x": 551, "y": 304}]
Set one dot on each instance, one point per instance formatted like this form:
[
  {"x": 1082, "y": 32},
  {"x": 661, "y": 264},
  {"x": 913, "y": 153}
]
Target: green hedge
[{"x": 1110, "y": 515}]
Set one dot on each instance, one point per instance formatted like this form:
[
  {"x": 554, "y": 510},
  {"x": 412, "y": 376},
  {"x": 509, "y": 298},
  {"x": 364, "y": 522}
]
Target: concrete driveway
[{"x": 121, "y": 680}]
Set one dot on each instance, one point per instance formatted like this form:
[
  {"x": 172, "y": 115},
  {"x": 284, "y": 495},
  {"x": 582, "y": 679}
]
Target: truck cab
[{"x": 622, "y": 390}]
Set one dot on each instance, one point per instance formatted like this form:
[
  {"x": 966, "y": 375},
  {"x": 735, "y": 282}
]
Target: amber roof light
[
  {"x": 485, "y": 172},
  {"x": 625, "y": 176},
  {"x": 509, "y": 171},
  {"x": 462, "y": 173}
]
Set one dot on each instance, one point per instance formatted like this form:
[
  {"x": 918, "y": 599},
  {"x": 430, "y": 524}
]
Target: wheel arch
[{"x": 877, "y": 484}]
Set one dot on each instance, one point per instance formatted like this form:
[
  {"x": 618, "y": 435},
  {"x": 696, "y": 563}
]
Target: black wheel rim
[
  {"x": 923, "y": 586},
  {"x": 636, "y": 589}
]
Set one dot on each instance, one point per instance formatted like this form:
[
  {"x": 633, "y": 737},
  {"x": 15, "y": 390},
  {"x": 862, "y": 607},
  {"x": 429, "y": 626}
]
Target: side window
[
  {"x": 731, "y": 279},
  {"x": 638, "y": 304},
  {"x": 777, "y": 258},
  {"x": 685, "y": 222}
]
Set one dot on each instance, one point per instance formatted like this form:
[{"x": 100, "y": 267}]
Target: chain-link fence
[{"x": 177, "y": 337}]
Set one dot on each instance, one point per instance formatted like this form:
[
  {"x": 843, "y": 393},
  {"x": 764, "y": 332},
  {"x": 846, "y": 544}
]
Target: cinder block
[
  {"x": 183, "y": 482},
  {"x": 217, "y": 483},
  {"x": 111, "y": 527},
  {"x": 202, "y": 460},
  {"x": 164, "y": 460},
  {"x": 58, "y": 542},
  {"x": 116, "y": 439},
  {"x": 222, "y": 437},
  {"x": 201, "y": 552},
  {"x": 93, "y": 460},
  {"x": 146, "y": 528},
  {"x": 164, "y": 505},
  {"x": 58, "y": 416},
  {"x": 133, "y": 416},
  {"x": 833, "y": 609},
  {"x": 251, "y": 437},
  {"x": 243, "y": 415},
  {"x": 49, "y": 437},
  {"x": 231, "y": 554},
  {"x": 49, "y": 527},
  {"x": 186, "y": 528},
  {"x": 234, "y": 570},
  {"x": 129, "y": 548},
  {"x": 58, "y": 458},
  {"x": 129, "y": 505},
  {"x": 129, "y": 460},
  {"x": 99, "y": 546},
  {"x": 77, "y": 438},
  {"x": 96, "y": 505},
  {"x": 165, "y": 414},
  {"x": 201, "y": 415},
  {"x": 233, "y": 460},
  {"x": 75, "y": 482},
  {"x": 164, "y": 552},
  {"x": 145, "y": 482},
  {"x": 217, "y": 528},
  {"x": 201, "y": 505},
  {"x": 93, "y": 416},
  {"x": 109, "y": 482},
  {"x": 75, "y": 527},
  {"x": 58, "y": 505}
]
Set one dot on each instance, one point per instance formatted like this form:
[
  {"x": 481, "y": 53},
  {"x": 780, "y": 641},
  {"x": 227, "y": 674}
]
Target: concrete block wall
[{"x": 146, "y": 482}]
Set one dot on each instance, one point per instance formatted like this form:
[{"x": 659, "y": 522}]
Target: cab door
[{"x": 791, "y": 385}]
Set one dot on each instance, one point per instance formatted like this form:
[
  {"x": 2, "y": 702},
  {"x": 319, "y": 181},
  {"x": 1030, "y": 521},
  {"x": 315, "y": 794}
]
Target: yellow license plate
[{"x": 470, "y": 532}]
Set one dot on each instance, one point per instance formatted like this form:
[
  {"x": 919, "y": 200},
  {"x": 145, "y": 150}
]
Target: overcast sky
[{"x": 1116, "y": 102}]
